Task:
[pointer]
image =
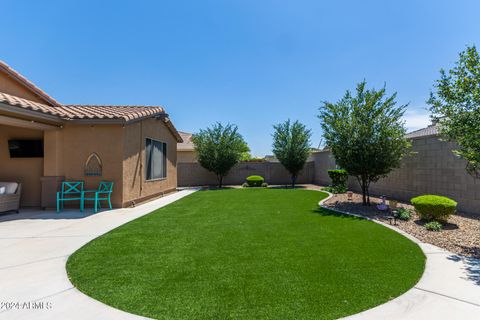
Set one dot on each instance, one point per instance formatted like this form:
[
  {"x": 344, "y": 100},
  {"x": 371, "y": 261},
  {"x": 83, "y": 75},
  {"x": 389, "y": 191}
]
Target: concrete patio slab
[{"x": 35, "y": 248}]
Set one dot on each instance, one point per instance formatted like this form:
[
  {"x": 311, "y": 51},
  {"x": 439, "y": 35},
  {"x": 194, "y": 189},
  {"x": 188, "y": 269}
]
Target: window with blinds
[{"x": 156, "y": 159}]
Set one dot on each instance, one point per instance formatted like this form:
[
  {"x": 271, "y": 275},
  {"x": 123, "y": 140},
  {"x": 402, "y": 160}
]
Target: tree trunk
[
  {"x": 363, "y": 185},
  {"x": 294, "y": 178},
  {"x": 368, "y": 193},
  {"x": 220, "y": 180}
]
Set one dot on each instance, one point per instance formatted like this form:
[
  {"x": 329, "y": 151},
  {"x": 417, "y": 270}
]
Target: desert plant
[
  {"x": 291, "y": 146},
  {"x": 255, "y": 181},
  {"x": 219, "y": 148},
  {"x": 433, "y": 226},
  {"x": 366, "y": 134},
  {"x": 433, "y": 207},
  {"x": 404, "y": 214},
  {"x": 339, "y": 179}
]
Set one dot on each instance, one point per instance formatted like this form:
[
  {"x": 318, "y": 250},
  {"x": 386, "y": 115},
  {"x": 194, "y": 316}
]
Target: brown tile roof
[
  {"x": 91, "y": 112},
  {"x": 27, "y": 83},
  {"x": 431, "y": 130},
  {"x": 126, "y": 113},
  {"x": 29, "y": 105},
  {"x": 187, "y": 144}
]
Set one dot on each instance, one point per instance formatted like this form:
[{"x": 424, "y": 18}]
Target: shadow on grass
[
  {"x": 472, "y": 266},
  {"x": 287, "y": 187},
  {"x": 216, "y": 188},
  {"x": 330, "y": 213}
]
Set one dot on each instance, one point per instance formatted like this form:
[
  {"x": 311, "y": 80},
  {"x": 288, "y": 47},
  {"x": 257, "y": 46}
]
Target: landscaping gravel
[{"x": 460, "y": 235}]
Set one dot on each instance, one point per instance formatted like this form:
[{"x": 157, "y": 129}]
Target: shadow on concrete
[
  {"x": 38, "y": 214},
  {"x": 472, "y": 267}
]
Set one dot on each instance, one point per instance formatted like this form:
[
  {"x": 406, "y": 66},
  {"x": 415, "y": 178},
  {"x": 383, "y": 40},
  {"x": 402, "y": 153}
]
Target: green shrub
[
  {"x": 264, "y": 185},
  {"x": 334, "y": 190},
  {"x": 433, "y": 226},
  {"x": 432, "y": 207},
  {"x": 404, "y": 214},
  {"x": 255, "y": 181},
  {"x": 339, "y": 180}
]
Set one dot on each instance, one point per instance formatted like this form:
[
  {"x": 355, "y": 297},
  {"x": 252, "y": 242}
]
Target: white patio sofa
[{"x": 10, "y": 196}]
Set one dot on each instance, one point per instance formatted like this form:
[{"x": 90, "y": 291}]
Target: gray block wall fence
[
  {"x": 192, "y": 174},
  {"x": 432, "y": 169}
]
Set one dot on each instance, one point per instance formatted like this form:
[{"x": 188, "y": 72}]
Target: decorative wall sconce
[{"x": 93, "y": 166}]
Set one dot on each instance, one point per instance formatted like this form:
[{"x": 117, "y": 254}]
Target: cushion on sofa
[
  {"x": 2, "y": 190},
  {"x": 10, "y": 187}
]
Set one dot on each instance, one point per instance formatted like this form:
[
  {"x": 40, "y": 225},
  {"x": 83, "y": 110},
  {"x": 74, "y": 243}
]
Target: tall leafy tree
[
  {"x": 366, "y": 134},
  {"x": 219, "y": 148},
  {"x": 455, "y": 104},
  {"x": 291, "y": 146}
]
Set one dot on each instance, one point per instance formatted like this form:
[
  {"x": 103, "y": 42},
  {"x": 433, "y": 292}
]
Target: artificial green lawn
[{"x": 247, "y": 254}]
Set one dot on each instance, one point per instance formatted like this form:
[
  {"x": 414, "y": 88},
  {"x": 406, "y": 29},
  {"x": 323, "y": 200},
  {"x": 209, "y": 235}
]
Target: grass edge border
[{"x": 401, "y": 232}]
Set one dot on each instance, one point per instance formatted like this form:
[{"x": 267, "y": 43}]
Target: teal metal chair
[
  {"x": 103, "y": 193},
  {"x": 70, "y": 191}
]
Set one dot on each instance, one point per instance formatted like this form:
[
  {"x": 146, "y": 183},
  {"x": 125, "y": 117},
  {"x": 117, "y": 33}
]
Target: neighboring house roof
[
  {"x": 27, "y": 83},
  {"x": 187, "y": 144},
  {"x": 431, "y": 130},
  {"x": 81, "y": 112}
]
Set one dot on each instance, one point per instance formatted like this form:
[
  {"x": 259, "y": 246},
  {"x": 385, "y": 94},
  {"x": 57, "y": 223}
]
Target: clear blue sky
[{"x": 252, "y": 63}]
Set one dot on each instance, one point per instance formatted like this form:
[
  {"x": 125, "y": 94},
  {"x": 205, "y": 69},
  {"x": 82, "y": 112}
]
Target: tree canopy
[
  {"x": 291, "y": 146},
  {"x": 455, "y": 104},
  {"x": 366, "y": 134},
  {"x": 219, "y": 148}
]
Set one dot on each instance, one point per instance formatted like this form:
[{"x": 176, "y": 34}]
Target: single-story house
[
  {"x": 43, "y": 142},
  {"x": 186, "y": 149}
]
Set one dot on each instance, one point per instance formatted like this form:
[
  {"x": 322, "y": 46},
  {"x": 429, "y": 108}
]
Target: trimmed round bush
[
  {"x": 264, "y": 185},
  {"x": 255, "y": 181},
  {"x": 432, "y": 207}
]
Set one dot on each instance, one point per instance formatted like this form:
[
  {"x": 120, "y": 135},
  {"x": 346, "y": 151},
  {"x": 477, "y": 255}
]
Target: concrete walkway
[
  {"x": 34, "y": 284},
  {"x": 449, "y": 289},
  {"x": 34, "y": 248}
]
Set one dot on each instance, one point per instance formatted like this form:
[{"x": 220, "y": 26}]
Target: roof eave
[
  {"x": 38, "y": 115},
  {"x": 159, "y": 116}
]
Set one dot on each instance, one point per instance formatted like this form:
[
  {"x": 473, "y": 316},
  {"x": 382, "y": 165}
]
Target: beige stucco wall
[
  {"x": 135, "y": 187},
  {"x": 11, "y": 86},
  {"x": 27, "y": 171},
  {"x": 186, "y": 156},
  {"x": 77, "y": 142}
]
